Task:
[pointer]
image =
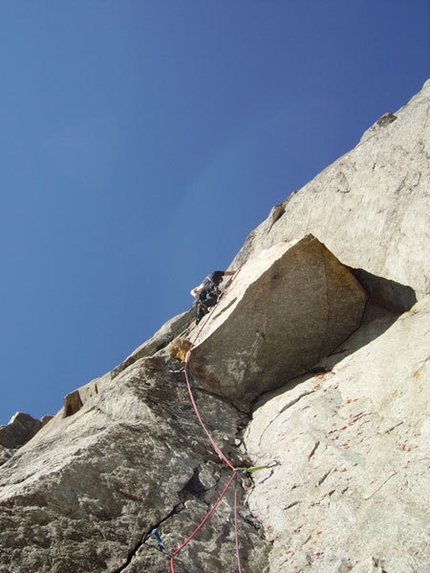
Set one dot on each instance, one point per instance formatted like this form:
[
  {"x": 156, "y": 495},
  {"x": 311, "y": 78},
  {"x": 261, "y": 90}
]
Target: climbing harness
[{"x": 209, "y": 294}]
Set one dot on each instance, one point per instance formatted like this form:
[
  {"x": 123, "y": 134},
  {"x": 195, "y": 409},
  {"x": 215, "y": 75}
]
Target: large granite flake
[
  {"x": 284, "y": 311},
  {"x": 370, "y": 207}
]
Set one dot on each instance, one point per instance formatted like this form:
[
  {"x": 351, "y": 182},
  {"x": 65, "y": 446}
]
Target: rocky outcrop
[
  {"x": 21, "y": 428},
  {"x": 342, "y": 449},
  {"x": 74, "y": 401},
  {"x": 284, "y": 311}
]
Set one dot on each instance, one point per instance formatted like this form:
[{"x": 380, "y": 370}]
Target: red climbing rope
[
  {"x": 213, "y": 443},
  {"x": 190, "y": 392},
  {"x": 220, "y": 454},
  {"x": 204, "y": 520},
  {"x": 236, "y": 525}
]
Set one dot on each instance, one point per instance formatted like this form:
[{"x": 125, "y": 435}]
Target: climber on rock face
[{"x": 207, "y": 294}]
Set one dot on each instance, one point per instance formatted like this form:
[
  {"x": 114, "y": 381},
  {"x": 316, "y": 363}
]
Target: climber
[{"x": 207, "y": 294}]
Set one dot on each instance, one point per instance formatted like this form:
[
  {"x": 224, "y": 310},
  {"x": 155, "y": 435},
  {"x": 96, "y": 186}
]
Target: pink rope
[
  {"x": 190, "y": 392},
  {"x": 222, "y": 457},
  {"x": 236, "y": 526},
  {"x": 214, "y": 445},
  {"x": 204, "y": 520}
]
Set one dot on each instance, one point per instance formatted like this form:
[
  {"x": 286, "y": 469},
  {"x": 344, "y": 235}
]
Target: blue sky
[{"x": 141, "y": 141}]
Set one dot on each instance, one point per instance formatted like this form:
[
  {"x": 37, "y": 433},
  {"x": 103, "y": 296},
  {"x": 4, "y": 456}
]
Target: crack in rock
[
  {"x": 132, "y": 553},
  {"x": 286, "y": 407}
]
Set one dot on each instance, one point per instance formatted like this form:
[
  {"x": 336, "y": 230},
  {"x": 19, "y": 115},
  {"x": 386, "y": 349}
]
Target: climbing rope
[
  {"x": 202, "y": 523},
  {"x": 193, "y": 402},
  {"x": 222, "y": 456}
]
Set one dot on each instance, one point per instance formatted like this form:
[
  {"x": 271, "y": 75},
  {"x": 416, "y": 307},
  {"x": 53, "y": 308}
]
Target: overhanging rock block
[{"x": 283, "y": 312}]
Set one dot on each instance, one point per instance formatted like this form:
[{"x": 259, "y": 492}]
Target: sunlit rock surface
[{"x": 352, "y": 488}]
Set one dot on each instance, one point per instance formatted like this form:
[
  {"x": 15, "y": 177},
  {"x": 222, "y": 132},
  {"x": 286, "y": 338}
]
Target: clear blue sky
[{"x": 142, "y": 140}]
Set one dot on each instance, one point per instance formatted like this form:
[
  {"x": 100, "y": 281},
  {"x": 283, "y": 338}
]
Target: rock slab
[
  {"x": 352, "y": 486},
  {"x": 350, "y": 489}
]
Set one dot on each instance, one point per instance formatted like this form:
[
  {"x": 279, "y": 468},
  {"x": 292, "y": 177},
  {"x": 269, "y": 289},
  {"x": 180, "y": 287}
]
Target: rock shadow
[
  {"x": 387, "y": 301},
  {"x": 384, "y": 294}
]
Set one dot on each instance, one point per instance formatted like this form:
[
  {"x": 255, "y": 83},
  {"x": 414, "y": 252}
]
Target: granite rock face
[
  {"x": 352, "y": 488},
  {"x": 342, "y": 439},
  {"x": 371, "y": 207},
  {"x": 284, "y": 311},
  {"x": 87, "y": 491}
]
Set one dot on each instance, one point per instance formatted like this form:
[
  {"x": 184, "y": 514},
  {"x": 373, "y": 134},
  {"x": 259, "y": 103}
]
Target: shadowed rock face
[
  {"x": 284, "y": 311},
  {"x": 351, "y": 487},
  {"x": 20, "y": 430}
]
